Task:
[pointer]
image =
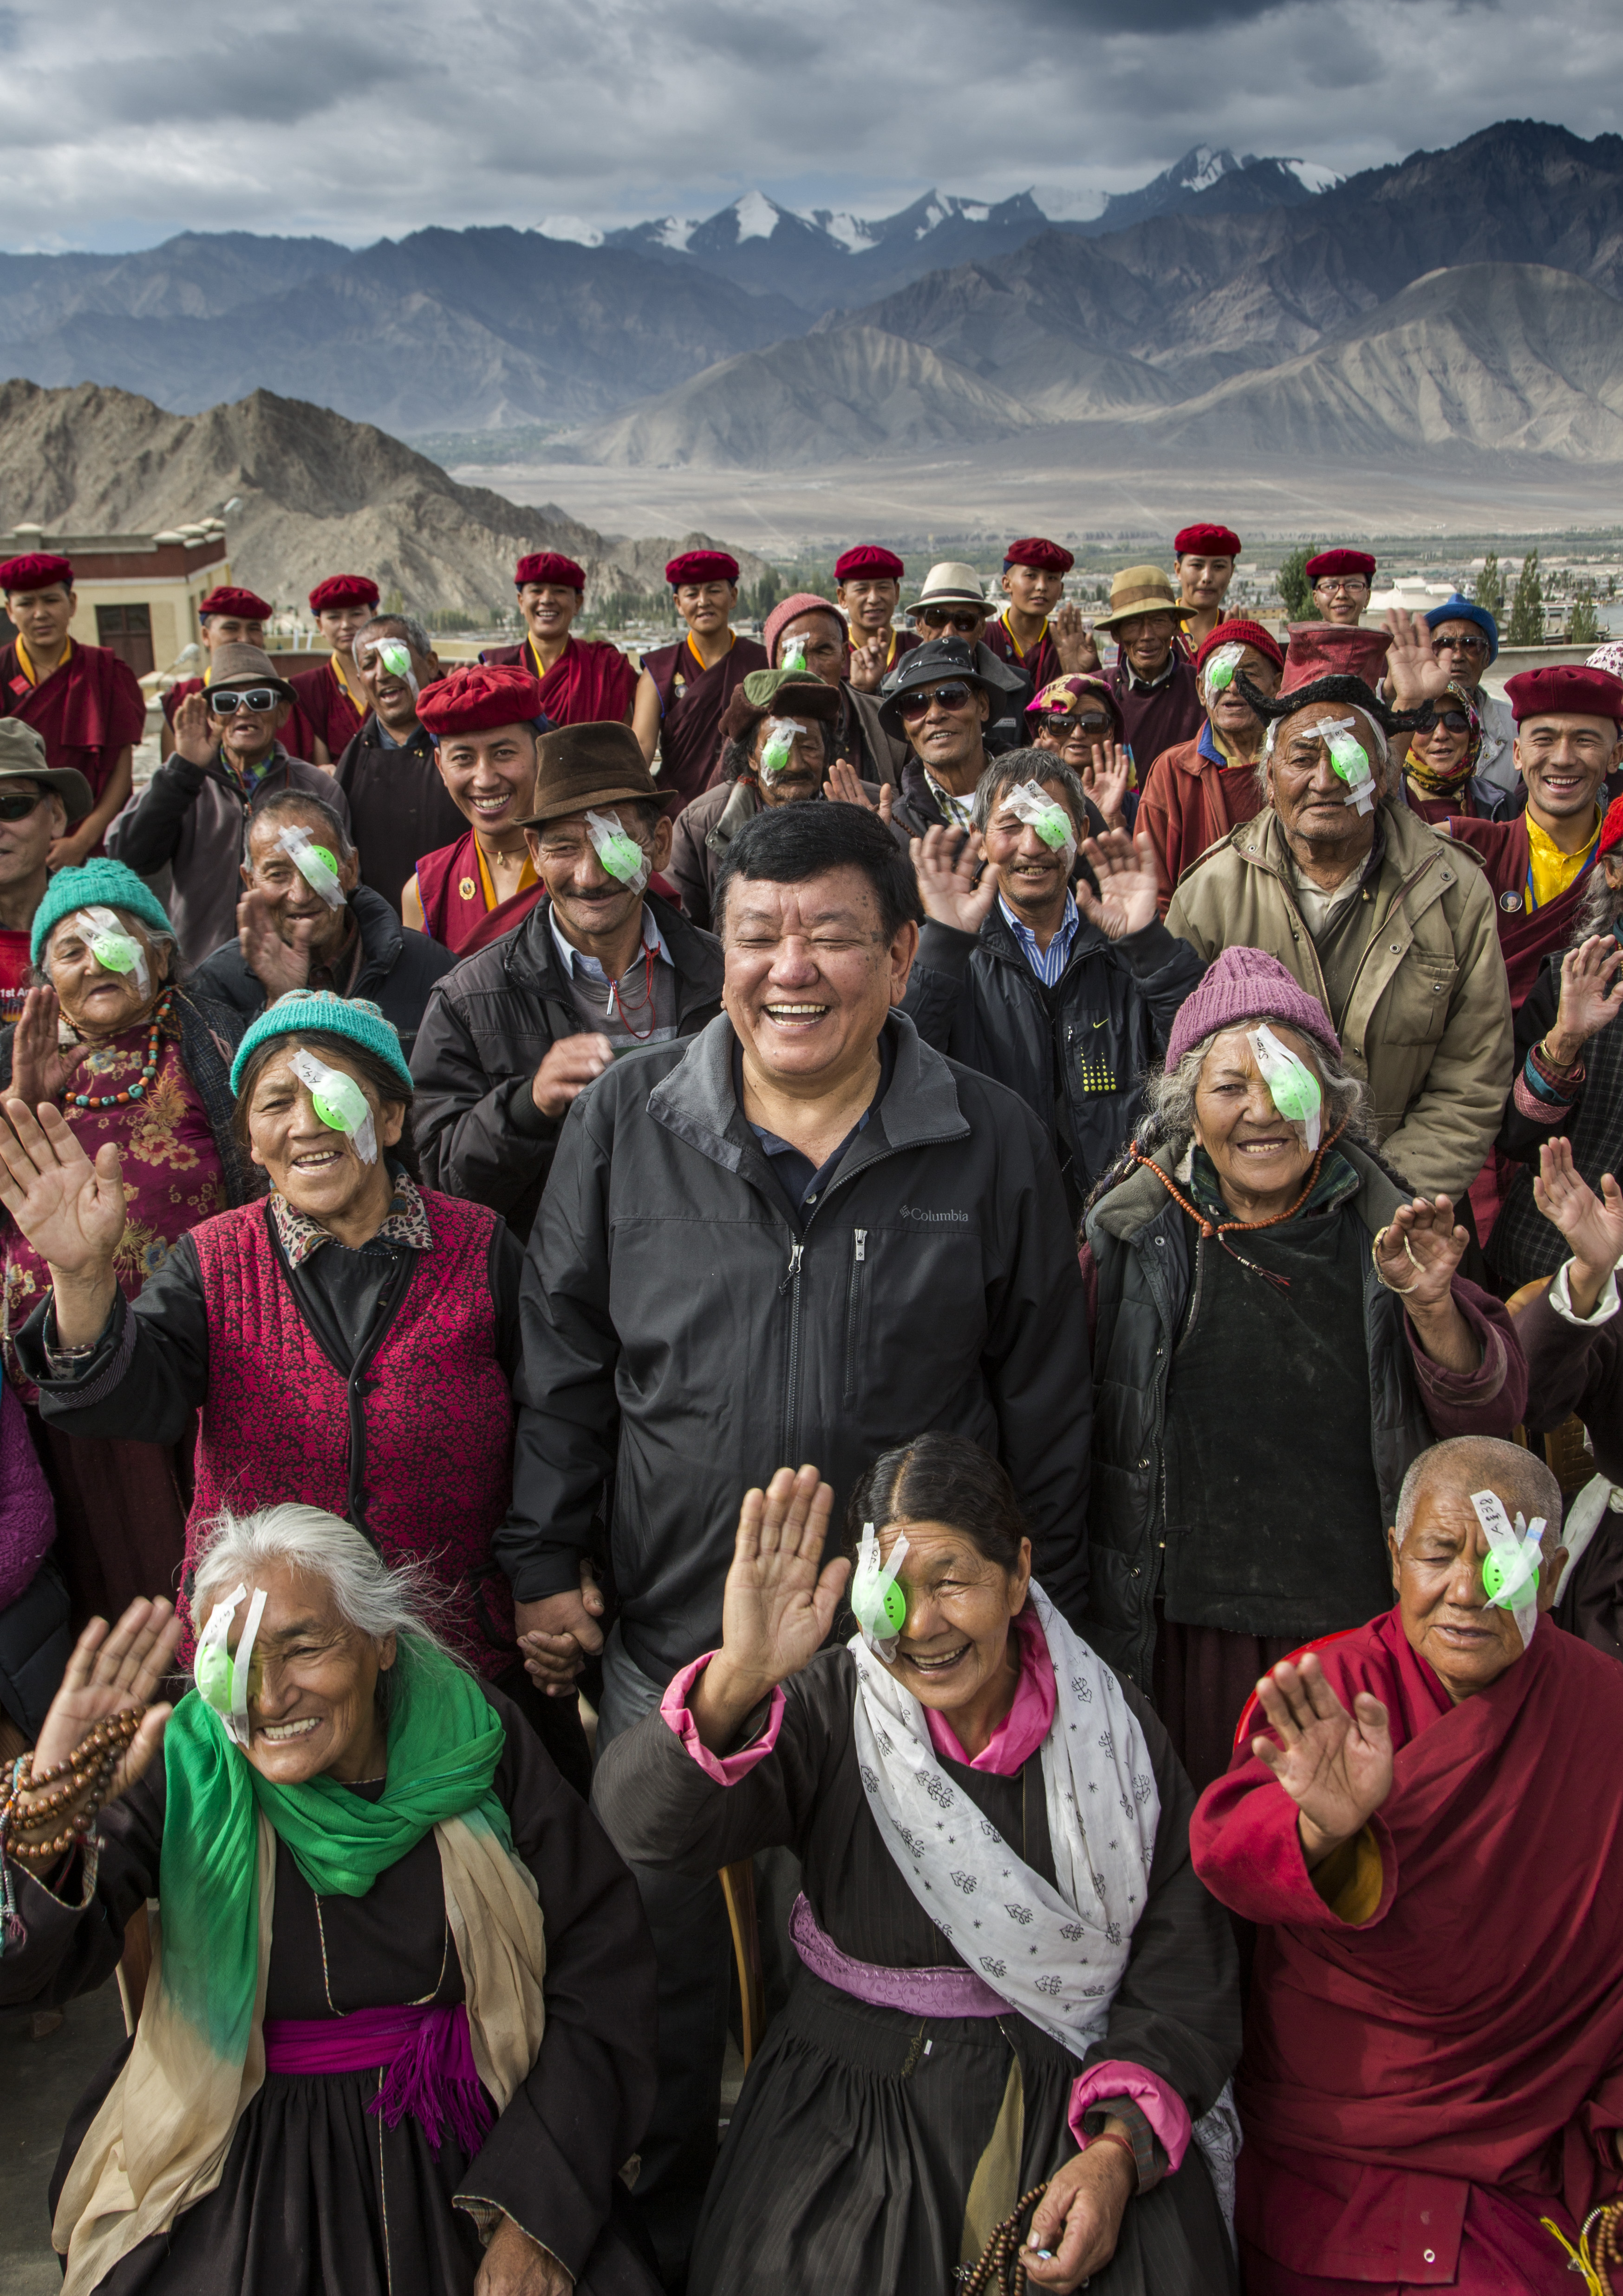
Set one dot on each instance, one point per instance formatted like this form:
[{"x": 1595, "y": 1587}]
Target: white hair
[
  {"x": 1170, "y": 1094},
  {"x": 1485, "y": 1462},
  {"x": 1385, "y": 772},
  {"x": 374, "y": 1598}
]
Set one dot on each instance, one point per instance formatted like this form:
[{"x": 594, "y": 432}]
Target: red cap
[
  {"x": 1340, "y": 561},
  {"x": 549, "y": 566},
  {"x": 1251, "y": 634},
  {"x": 1567, "y": 691},
  {"x": 472, "y": 701},
  {"x": 701, "y": 566},
  {"x": 868, "y": 558},
  {"x": 1206, "y": 542},
  {"x": 245, "y": 605},
  {"x": 1045, "y": 557},
  {"x": 1611, "y": 828},
  {"x": 343, "y": 590},
  {"x": 37, "y": 571},
  {"x": 1332, "y": 650}
]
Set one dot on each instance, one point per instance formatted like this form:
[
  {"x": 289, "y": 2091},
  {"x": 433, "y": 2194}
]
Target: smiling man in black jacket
[
  {"x": 805, "y": 1235},
  {"x": 1063, "y": 992}
]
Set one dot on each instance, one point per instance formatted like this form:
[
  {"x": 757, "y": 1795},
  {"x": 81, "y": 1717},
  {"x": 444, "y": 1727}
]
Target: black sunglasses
[
  {"x": 1459, "y": 645},
  {"x": 939, "y": 617},
  {"x": 954, "y": 695},
  {"x": 1091, "y": 729},
  {"x": 1456, "y": 720},
  {"x": 229, "y": 700},
  {"x": 16, "y": 805}
]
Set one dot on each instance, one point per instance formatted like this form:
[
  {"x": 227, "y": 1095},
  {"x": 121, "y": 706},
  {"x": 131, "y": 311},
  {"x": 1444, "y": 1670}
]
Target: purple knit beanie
[
  {"x": 789, "y": 610},
  {"x": 1247, "y": 984}
]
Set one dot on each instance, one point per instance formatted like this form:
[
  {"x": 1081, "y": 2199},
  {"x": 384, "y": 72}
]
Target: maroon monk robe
[
  {"x": 1162, "y": 716},
  {"x": 1526, "y": 935},
  {"x": 324, "y": 709},
  {"x": 591, "y": 683},
  {"x": 1417, "y": 2089},
  {"x": 87, "y": 713},
  {"x": 1040, "y": 663},
  {"x": 691, "y": 700},
  {"x": 453, "y": 897}
]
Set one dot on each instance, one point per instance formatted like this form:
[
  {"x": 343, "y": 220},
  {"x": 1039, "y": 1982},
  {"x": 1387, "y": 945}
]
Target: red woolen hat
[
  {"x": 1611, "y": 828},
  {"x": 243, "y": 605},
  {"x": 1332, "y": 650},
  {"x": 868, "y": 558},
  {"x": 701, "y": 566},
  {"x": 39, "y": 570},
  {"x": 1045, "y": 557},
  {"x": 472, "y": 701},
  {"x": 343, "y": 590},
  {"x": 1206, "y": 542},
  {"x": 549, "y": 566},
  {"x": 1340, "y": 561},
  {"x": 1251, "y": 634},
  {"x": 1569, "y": 691}
]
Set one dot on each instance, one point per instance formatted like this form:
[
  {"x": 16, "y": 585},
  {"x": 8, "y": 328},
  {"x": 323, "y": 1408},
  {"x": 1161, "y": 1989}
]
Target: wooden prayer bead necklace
[
  {"x": 1220, "y": 1230},
  {"x": 82, "y": 1780},
  {"x": 149, "y": 1067},
  {"x": 1000, "y": 2266}
]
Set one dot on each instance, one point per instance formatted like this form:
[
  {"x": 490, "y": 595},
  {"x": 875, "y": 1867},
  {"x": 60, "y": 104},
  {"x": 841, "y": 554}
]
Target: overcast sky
[{"x": 121, "y": 124}]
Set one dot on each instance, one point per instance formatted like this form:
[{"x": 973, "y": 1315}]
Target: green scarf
[{"x": 445, "y": 1740}]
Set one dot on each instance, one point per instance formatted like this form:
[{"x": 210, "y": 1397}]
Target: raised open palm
[
  {"x": 70, "y": 1210},
  {"x": 111, "y": 1668},
  {"x": 1336, "y": 1766},
  {"x": 1107, "y": 779},
  {"x": 1592, "y": 1225},
  {"x": 1419, "y": 1253},
  {"x": 1124, "y": 867},
  {"x": 953, "y": 887},
  {"x": 1413, "y": 672},
  {"x": 1591, "y": 988},
  {"x": 779, "y": 1604},
  {"x": 42, "y": 1069}
]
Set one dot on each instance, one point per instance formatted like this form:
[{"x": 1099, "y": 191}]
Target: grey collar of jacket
[
  {"x": 1140, "y": 1198},
  {"x": 697, "y": 1103},
  {"x": 531, "y": 961}
]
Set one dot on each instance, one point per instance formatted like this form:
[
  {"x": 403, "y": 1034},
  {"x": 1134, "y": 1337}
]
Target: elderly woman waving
[
  {"x": 131, "y": 1060},
  {"x": 397, "y": 2037},
  {"x": 1012, "y": 1978},
  {"x": 1279, "y": 1331},
  {"x": 349, "y": 1341}
]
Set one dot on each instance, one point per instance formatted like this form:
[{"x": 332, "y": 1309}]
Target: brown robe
[
  {"x": 1186, "y": 804},
  {"x": 87, "y": 713},
  {"x": 692, "y": 703}
]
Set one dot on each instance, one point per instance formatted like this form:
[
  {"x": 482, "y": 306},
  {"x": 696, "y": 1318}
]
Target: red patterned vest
[{"x": 433, "y": 1408}]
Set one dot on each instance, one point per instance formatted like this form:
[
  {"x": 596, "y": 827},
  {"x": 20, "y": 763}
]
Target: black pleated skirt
[{"x": 854, "y": 2144}]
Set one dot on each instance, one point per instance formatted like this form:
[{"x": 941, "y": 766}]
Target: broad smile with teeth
[
  {"x": 939, "y": 1665},
  {"x": 277, "y": 1731},
  {"x": 795, "y": 1016}
]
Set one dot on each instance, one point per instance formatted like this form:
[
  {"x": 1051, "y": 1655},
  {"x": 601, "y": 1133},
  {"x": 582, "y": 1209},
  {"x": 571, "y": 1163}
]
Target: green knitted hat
[
  {"x": 104, "y": 883},
  {"x": 318, "y": 1012}
]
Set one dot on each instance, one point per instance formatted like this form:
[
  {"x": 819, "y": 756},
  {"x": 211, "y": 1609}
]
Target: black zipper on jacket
[{"x": 789, "y": 1446}]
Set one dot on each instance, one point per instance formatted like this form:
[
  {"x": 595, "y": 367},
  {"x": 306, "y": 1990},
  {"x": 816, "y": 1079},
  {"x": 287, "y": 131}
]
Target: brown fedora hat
[
  {"x": 1141, "y": 590},
  {"x": 582, "y": 766}
]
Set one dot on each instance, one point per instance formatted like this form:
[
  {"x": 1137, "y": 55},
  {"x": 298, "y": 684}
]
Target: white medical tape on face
[
  {"x": 793, "y": 656},
  {"x": 1510, "y": 1573},
  {"x": 314, "y": 864},
  {"x": 877, "y": 1603},
  {"x": 1350, "y": 759},
  {"x": 777, "y": 752},
  {"x": 1029, "y": 803},
  {"x": 337, "y": 1100},
  {"x": 1218, "y": 675},
  {"x": 618, "y": 852},
  {"x": 1294, "y": 1088},
  {"x": 222, "y": 1680},
  {"x": 393, "y": 659},
  {"x": 114, "y": 949}
]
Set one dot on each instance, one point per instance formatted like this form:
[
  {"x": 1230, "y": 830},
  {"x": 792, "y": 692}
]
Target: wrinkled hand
[
  {"x": 1073, "y": 642},
  {"x": 1413, "y": 674},
  {"x": 70, "y": 1210},
  {"x": 559, "y": 1634},
  {"x": 1336, "y": 1766},
  {"x": 1108, "y": 779},
  {"x": 844, "y": 785},
  {"x": 515, "y": 2265},
  {"x": 1128, "y": 884},
  {"x": 945, "y": 860},
  {"x": 570, "y": 1065},
  {"x": 867, "y": 664},
  {"x": 1592, "y": 1225},
  {"x": 1078, "y": 2217},
  {"x": 1424, "y": 1273},
  {"x": 42, "y": 1069},
  {"x": 111, "y": 1669},
  {"x": 1591, "y": 996},
  {"x": 278, "y": 965},
  {"x": 193, "y": 739},
  {"x": 777, "y": 1606}
]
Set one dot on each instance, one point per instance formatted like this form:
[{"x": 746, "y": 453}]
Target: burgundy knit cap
[
  {"x": 1245, "y": 634},
  {"x": 474, "y": 700},
  {"x": 242, "y": 606},
  {"x": 1247, "y": 984},
  {"x": 39, "y": 570},
  {"x": 549, "y": 566},
  {"x": 701, "y": 566},
  {"x": 1206, "y": 542},
  {"x": 1043, "y": 556},
  {"x": 868, "y": 558},
  {"x": 1565, "y": 689},
  {"x": 343, "y": 590},
  {"x": 789, "y": 610},
  {"x": 1340, "y": 561}
]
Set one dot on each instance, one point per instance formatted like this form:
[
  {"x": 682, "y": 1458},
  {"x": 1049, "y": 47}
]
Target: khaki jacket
[{"x": 1428, "y": 1026}]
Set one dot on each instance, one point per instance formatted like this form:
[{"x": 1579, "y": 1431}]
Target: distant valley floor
[{"x": 1073, "y": 488}]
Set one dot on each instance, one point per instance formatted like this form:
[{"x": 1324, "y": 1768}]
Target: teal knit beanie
[
  {"x": 318, "y": 1012},
  {"x": 104, "y": 883}
]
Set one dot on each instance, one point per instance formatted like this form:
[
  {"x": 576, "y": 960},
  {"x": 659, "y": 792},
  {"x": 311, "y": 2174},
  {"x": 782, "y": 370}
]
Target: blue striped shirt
[{"x": 1049, "y": 963}]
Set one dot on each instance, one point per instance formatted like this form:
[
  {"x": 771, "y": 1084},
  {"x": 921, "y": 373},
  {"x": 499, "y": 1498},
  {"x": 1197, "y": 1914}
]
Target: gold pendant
[{"x": 464, "y": 888}]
